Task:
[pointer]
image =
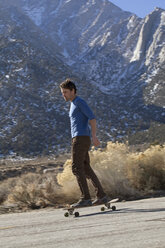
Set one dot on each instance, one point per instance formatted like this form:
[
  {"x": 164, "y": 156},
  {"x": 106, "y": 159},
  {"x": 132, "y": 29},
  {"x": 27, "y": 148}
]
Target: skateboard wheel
[
  {"x": 76, "y": 214},
  {"x": 66, "y": 214},
  {"x": 113, "y": 208},
  {"x": 102, "y": 209}
]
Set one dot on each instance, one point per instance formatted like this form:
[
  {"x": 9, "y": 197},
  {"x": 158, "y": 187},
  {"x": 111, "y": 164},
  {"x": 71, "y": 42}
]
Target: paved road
[{"x": 136, "y": 224}]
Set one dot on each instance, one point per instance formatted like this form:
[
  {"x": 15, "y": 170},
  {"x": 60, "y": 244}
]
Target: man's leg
[
  {"x": 94, "y": 179},
  {"x": 80, "y": 146}
]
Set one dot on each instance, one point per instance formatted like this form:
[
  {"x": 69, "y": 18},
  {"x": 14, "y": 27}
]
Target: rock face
[{"x": 117, "y": 56}]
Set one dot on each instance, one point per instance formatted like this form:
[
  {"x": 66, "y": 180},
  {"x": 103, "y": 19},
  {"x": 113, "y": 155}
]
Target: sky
[{"x": 139, "y": 7}]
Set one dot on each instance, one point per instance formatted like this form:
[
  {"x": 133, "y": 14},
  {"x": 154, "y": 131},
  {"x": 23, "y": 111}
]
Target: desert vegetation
[{"x": 124, "y": 173}]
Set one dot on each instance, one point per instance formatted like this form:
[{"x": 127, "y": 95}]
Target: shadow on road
[
  {"x": 128, "y": 210},
  {"x": 125, "y": 210},
  {"x": 97, "y": 213}
]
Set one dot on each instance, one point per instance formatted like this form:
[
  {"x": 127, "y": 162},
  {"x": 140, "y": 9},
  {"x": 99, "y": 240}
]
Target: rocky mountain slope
[
  {"x": 116, "y": 58},
  {"x": 100, "y": 40},
  {"x": 29, "y": 76}
]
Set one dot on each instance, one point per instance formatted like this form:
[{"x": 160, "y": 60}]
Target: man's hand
[{"x": 95, "y": 141}]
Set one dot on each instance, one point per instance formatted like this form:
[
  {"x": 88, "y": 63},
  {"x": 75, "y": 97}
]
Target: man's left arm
[
  {"x": 92, "y": 120},
  {"x": 95, "y": 140}
]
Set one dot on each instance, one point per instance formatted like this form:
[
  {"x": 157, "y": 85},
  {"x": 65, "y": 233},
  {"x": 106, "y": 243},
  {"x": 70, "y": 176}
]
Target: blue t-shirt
[{"x": 79, "y": 115}]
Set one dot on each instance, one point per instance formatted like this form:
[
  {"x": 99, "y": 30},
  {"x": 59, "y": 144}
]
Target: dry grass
[
  {"x": 32, "y": 191},
  {"x": 146, "y": 170},
  {"x": 123, "y": 174},
  {"x": 5, "y": 189}
]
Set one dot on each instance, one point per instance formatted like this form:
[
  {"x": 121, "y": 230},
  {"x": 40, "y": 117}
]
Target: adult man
[{"x": 80, "y": 114}]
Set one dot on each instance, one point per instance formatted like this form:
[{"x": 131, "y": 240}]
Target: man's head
[{"x": 68, "y": 90}]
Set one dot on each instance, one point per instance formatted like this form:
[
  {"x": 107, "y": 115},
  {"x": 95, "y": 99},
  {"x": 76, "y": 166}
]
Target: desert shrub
[
  {"x": 68, "y": 183},
  {"x": 3, "y": 194},
  {"x": 146, "y": 170},
  {"x": 109, "y": 166},
  {"x": 35, "y": 191},
  {"x": 5, "y": 188},
  {"x": 123, "y": 173}
]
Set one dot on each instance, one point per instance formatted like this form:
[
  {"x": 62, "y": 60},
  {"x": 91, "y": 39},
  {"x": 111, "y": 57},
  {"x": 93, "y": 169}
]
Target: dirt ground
[{"x": 13, "y": 167}]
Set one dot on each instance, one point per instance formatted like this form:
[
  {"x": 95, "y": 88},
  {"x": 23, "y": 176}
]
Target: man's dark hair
[{"x": 68, "y": 84}]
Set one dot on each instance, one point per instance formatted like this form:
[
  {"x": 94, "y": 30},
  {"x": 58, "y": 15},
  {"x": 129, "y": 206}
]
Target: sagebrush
[{"x": 123, "y": 173}]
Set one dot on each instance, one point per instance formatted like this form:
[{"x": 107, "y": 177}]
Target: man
[{"x": 80, "y": 115}]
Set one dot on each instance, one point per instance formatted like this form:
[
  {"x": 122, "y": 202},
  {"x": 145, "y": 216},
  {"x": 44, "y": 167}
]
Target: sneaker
[
  {"x": 99, "y": 201},
  {"x": 82, "y": 203}
]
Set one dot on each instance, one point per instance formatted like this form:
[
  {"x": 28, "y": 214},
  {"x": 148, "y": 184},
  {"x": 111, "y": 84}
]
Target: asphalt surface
[{"x": 135, "y": 224}]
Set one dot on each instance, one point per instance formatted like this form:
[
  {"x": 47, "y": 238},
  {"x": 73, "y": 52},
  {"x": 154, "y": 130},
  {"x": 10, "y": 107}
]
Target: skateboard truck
[
  {"x": 71, "y": 212},
  {"x": 108, "y": 206}
]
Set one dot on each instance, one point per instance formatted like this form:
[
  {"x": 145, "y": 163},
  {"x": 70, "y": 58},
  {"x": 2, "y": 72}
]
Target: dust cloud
[{"x": 122, "y": 173}]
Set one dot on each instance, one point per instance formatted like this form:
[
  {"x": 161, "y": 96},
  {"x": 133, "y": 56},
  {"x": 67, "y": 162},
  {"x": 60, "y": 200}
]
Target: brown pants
[{"x": 81, "y": 167}]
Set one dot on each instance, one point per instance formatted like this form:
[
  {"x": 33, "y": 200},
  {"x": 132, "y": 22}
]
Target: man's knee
[
  {"x": 89, "y": 172},
  {"x": 77, "y": 169},
  {"x": 74, "y": 170}
]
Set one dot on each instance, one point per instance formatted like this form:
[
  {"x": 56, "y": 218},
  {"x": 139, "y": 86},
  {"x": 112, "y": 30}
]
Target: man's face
[{"x": 68, "y": 94}]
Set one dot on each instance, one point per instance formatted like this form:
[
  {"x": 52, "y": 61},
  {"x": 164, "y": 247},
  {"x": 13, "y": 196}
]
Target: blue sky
[{"x": 140, "y": 7}]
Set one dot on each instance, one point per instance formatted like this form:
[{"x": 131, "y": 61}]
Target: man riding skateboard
[{"x": 80, "y": 115}]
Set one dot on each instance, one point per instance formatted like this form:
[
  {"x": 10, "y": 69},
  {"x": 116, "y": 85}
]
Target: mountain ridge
[{"x": 110, "y": 52}]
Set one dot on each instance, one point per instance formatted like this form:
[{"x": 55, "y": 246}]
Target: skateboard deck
[{"x": 107, "y": 205}]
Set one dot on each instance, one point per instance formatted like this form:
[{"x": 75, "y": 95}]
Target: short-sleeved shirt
[{"x": 80, "y": 113}]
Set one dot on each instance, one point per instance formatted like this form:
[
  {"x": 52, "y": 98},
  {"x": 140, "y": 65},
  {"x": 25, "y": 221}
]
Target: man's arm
[{"x": 95, "y": 140}]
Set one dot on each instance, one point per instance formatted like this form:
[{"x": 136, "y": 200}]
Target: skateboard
[{"x": 107, "y": 205}]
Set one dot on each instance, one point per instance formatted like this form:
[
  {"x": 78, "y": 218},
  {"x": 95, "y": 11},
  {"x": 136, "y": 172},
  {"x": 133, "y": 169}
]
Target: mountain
[
  {"x": 116, "y": 58},
  {"x": 106, "y": 45},
  {"x": 29, "y": 77}
]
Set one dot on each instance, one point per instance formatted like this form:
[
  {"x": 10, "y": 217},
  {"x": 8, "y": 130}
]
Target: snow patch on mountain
[
  {"x": 35, "y": 14},
  {"x": 54, "y": 12}
]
